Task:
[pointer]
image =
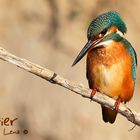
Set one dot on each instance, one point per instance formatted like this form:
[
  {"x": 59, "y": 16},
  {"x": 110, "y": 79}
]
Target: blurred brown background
[{"x": 51, "y": 33}]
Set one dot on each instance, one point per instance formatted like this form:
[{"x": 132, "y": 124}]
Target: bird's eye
[{"x": 103, "y": 32}]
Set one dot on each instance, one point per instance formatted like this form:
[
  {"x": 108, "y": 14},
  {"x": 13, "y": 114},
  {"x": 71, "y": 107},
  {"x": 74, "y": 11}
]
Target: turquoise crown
[{"x": 105, "y": 21}]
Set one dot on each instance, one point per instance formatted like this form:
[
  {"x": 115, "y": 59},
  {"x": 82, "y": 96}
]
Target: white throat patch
[
  {"x": 120, "y": 33},
  {"x": 108, "y": 42},
  {"x": 105, "y": 43}
]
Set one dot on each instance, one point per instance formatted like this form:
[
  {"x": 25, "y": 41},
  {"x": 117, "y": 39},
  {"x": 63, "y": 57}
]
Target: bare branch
[{"x": 76, "y": 88}]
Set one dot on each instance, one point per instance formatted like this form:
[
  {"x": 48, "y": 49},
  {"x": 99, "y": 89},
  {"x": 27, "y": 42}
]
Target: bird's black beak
[{"x": 88, "y": 45}]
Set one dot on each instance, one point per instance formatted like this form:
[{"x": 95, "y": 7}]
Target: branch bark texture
[{"x": 79, "y": 89}]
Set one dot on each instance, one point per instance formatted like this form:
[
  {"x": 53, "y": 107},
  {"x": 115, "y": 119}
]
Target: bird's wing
[{"x": 133, "y": 54}]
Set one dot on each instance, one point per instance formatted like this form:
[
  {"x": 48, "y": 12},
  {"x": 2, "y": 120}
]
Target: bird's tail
[{"x": 108, "y": 114}]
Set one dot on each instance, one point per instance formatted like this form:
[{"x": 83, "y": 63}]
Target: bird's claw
[
  {"x": 94, "y": 90},
  {"x": 117, "y": 104}
]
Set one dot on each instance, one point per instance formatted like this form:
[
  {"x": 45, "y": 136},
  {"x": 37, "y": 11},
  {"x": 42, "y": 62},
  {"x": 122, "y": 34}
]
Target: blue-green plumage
[
  {"x": 132, "y": 52},
  {"x": 105, "y": 21}
]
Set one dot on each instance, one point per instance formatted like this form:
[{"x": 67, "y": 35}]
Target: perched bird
[{"x": 111, "y": 61}]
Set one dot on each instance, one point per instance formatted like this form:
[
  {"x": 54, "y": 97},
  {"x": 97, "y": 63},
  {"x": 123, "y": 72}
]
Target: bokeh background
[{"x": 51, "y": 33}]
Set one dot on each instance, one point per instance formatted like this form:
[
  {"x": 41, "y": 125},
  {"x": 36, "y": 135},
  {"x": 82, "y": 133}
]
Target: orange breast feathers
[{"x": 109, "y": 69}]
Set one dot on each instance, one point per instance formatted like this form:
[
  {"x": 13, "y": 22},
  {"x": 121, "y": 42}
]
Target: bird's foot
[
  {"x": 94, "y": 90},
  {"x": 117, "y": 104}
]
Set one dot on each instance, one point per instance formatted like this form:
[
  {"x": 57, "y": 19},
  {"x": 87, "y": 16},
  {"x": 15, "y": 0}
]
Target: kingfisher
[{"x": 111, "y": 61}]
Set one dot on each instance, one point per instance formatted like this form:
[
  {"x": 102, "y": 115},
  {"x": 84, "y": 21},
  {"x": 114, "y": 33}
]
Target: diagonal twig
[{"x": 76, "y": 88}]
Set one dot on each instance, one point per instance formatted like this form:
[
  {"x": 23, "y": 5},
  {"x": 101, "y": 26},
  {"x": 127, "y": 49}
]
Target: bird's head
[{"x": 103, "y": 29}]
